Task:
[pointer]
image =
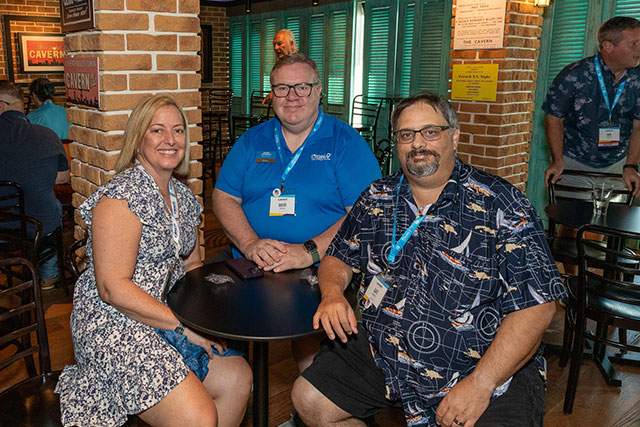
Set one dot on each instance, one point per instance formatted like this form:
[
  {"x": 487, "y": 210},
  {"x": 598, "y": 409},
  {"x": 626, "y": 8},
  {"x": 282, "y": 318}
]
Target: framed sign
[
  {"x": 479, "y": 24},
  {"x": 81, "y": 80},
  {"x": 76, "y": 15},
  {"x": 41, "y": 53},
  {"x": 474, "y": 82}
]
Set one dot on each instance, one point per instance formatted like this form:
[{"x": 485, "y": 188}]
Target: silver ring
[{"x": 458, "y": 423}]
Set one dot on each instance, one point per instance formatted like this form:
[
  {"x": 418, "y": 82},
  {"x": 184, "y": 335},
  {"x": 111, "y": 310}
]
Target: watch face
[{"x": 310, "y": 245}]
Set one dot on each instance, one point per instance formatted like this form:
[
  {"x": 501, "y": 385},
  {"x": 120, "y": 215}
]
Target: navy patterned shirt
[
  {"x": 575, "y": 96},
  {"x": 479, "y": 255}
]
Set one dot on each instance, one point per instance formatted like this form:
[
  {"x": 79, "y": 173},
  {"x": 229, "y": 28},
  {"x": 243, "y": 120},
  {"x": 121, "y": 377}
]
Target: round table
[
  {"x": 576, "y": 213},
  {"x": 275, "y": 306}
]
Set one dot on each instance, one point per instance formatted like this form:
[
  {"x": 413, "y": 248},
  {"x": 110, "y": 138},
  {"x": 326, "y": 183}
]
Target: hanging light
[
  {"x": 315, "y": 2},
  {"x": 542, "y": 3},
  {"x": 247, "y": 6}
]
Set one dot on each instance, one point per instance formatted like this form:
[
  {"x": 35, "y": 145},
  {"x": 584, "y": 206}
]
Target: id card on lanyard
[
  {"x": 280, "y": 203},
  {"x": 175, "y": 215},
  {"x": 608, "y": 136}
]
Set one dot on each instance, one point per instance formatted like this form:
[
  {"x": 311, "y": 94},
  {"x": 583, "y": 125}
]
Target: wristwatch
[
  {"x": 179, "y": 329},
  {"x": 633, "y": 166},
  {"x": 311, "y": 247}
]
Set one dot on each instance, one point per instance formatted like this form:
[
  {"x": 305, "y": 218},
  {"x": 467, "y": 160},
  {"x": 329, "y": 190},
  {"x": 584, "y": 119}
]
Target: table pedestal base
[{"x": 260, "y": 384}]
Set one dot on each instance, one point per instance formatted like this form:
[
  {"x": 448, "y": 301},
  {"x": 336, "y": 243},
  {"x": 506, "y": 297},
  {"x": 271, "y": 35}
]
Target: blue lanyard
[
  {"x": 397, "y": 245},
  {"x": 603, "y": 88},
  {"x": 276, "y": 133}
]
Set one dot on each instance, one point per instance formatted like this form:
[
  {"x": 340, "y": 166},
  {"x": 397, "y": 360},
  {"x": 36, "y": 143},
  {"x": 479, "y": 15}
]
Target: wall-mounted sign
[
  {"x": 474, "y": 82},
  {"x": 41, "y": 53},
  {"x": 479, "y": 24},
  {"x": 81, "y": 80},
  {"x": 76, "y": 15}
]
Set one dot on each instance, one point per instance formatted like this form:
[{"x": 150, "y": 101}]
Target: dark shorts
[{"x": 347, "y": 375}]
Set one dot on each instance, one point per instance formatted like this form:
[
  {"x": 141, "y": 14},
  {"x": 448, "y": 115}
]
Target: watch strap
[
  {"x": 311, "y": 247},
  {"x": 179, "y": 329},
  {"x": 633, "y": 166}
]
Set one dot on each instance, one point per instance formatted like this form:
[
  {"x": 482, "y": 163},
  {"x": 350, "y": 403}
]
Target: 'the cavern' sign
[
  {"x": 81, "y": 80},
  {"x": 41, "y": 53}
]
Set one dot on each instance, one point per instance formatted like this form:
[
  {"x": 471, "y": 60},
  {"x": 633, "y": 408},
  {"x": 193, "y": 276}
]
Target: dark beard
[{"x": 426, "y": 168}]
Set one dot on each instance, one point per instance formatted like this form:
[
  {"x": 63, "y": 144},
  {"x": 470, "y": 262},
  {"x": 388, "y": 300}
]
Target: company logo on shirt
[{"x": 321, "y": 157}]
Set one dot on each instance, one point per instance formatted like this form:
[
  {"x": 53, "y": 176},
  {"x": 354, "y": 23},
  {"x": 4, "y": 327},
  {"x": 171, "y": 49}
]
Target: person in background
[
  {"x": 284, "y": 43},
  {"x": 592, "y": 108},
  {"x": 459, "y": 288},
  {"x": 142, "y": 237},
  {"x": 33, "y": 157},
  {"x": 287, "y": 184},
  {"x": 47, "y": 113}
]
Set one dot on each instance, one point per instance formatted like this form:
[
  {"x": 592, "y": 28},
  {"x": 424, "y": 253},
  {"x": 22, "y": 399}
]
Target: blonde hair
[{"x": 137, "y": 126}]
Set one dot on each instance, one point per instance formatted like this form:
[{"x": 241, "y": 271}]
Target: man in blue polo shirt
[
  {"x": 459, "y": 286},
  {"x": 592, "y": 108},
  {"x": 287, "y": 184}
]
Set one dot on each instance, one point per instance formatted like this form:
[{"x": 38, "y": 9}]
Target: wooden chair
[
  {"x": 30, "y": 402},
  {"x": 604, "y": 292}
]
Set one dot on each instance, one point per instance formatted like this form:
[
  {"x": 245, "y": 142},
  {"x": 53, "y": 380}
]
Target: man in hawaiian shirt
[
  {"x": 458, "y": 287},
  {"x": 592, "y": 108}
]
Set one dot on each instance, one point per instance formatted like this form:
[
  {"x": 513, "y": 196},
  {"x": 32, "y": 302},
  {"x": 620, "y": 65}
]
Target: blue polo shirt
[
  {"x": 51, "y": 116},
  {"x": 335, "y": 166},
  {"x": 575, "y": 96}
]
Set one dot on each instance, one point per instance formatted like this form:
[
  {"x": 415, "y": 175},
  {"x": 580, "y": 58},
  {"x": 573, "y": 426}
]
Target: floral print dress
[{"x": 123, "y": 366}]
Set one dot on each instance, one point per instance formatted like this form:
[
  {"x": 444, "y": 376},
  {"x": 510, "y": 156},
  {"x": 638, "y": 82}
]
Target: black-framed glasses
[
  {"x": 300, "y": 89},
  {"x": 429, "y": 133}
]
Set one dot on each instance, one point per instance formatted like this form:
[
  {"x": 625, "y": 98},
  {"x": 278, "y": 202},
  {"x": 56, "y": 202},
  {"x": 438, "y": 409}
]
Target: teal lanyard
[
  {"x": 603, "y": 88},
  {"x": 277, "y": 132},
  {"x": 397, "y": 245}
]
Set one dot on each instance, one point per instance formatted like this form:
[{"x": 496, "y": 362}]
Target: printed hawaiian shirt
[
  {"x": 575, "y": 96},
  {"x": 479, "y": 255}
]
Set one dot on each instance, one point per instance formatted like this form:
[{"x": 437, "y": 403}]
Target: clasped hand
[
  {"x": 336, "y": 317},
  {"x": 277, "y": 256}
]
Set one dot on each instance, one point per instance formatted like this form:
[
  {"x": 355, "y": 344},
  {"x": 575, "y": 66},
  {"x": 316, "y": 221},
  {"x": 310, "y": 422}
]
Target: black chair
[
  {"x": 365, "y": 112},
  {"x": 604, "y": 292},
  {"x": 76, "y": 257},
  {"x": 383, "y": 150},
  {"x": 216, "y": 120},
  {"x": 258, "y": 107},
  {"x": 30, "y": 402},
  {"x": 12, "y": 199}
]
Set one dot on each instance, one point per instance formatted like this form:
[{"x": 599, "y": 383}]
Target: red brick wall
[{"x": 495, "y": 136}]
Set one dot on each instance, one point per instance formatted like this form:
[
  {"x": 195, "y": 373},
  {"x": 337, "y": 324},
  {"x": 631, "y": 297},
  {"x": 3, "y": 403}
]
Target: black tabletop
[
  {"x": 576, "y": 213},
  {"x": 276, "y": 306}
]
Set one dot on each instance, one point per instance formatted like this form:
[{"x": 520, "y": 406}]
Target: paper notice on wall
[
  {"x": 474, "y": 82},
  {"x": 479, "y": 24}
]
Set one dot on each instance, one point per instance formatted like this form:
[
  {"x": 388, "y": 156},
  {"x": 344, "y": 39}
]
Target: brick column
[
  {"x": 144, "y": 47},
  {"x": 495, "y": 136}
]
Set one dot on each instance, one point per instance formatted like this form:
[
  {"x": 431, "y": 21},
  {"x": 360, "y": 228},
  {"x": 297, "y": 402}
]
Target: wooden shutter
[
  {"x": 568, "y": 34},
  {"x": 628, "y": 8},
  {"x": 270, "y": 28},
  {"x": 378, "y": 49},
  {"x": 432, "y": 47},
  {"x": 338, "y": 57}
]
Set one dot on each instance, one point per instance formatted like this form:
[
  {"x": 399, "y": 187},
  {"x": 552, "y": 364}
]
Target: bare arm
[
  {"x": 193, "y": 260},
  {"x": 116, "y": 239},
  {"x": 516, "y": 341},
  {"x": 334, "y": 312},
  {"x": 554, "y": 130},
  {"x": 228, "y": 210},
  {"x": 62, "y": 177},
  {"x": 631, "y": 177}
]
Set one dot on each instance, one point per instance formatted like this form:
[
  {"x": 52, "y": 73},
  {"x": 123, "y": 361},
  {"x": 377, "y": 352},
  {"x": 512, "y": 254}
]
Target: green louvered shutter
[
  {"x": 377, "y": 50},
  {"x": 432, "y": 49},
  {"x": 628, "y": 8},
  {"x": 293, "y": 24},
  {"x": 567, "y": 35},
  {"x": 338, "y": 57},
  {"x": 236, "y": 32},
  {"x": 270, "y": 28},
  {"x": 254, "y": 57},
  {"x": 316, "y": 42},
  {"x": 406, "y": 32}
]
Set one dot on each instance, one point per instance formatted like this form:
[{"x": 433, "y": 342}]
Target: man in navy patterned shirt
[
  {"x": 458, "y": 287},
  {"x": 592, "y": 108}
]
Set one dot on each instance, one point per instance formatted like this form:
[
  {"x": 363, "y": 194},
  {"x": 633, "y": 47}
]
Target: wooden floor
[{"x": 597, "y": 404}]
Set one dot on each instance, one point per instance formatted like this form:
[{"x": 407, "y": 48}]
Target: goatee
[{"x": 426, "y": 167}]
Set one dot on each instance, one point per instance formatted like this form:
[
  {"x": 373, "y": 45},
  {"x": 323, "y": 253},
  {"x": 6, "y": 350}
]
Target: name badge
[
  {"x": 282, "y": 205},
  {"x": 608, "y": 137},
  {"x": 376, "y": 291},
  {"x": 265, "y": 157}
]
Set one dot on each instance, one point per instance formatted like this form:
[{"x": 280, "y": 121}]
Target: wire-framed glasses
[
  {"x": 300, "y": 89},
  {"x": 429, "y": 133}
]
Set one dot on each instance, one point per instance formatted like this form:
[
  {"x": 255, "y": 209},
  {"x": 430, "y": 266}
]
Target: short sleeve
[
  {"x": 346, "y": 244},
  {"x": 560, "y": 94},
  {"x": 356, "y": 168},
  {"x": 527, "y": 269},
  {"x": 231, "y": 176}
]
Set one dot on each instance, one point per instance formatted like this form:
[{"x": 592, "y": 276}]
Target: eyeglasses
[
  {"x": 429, "y": 133},
  {"x": 300, "y": 89}
]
